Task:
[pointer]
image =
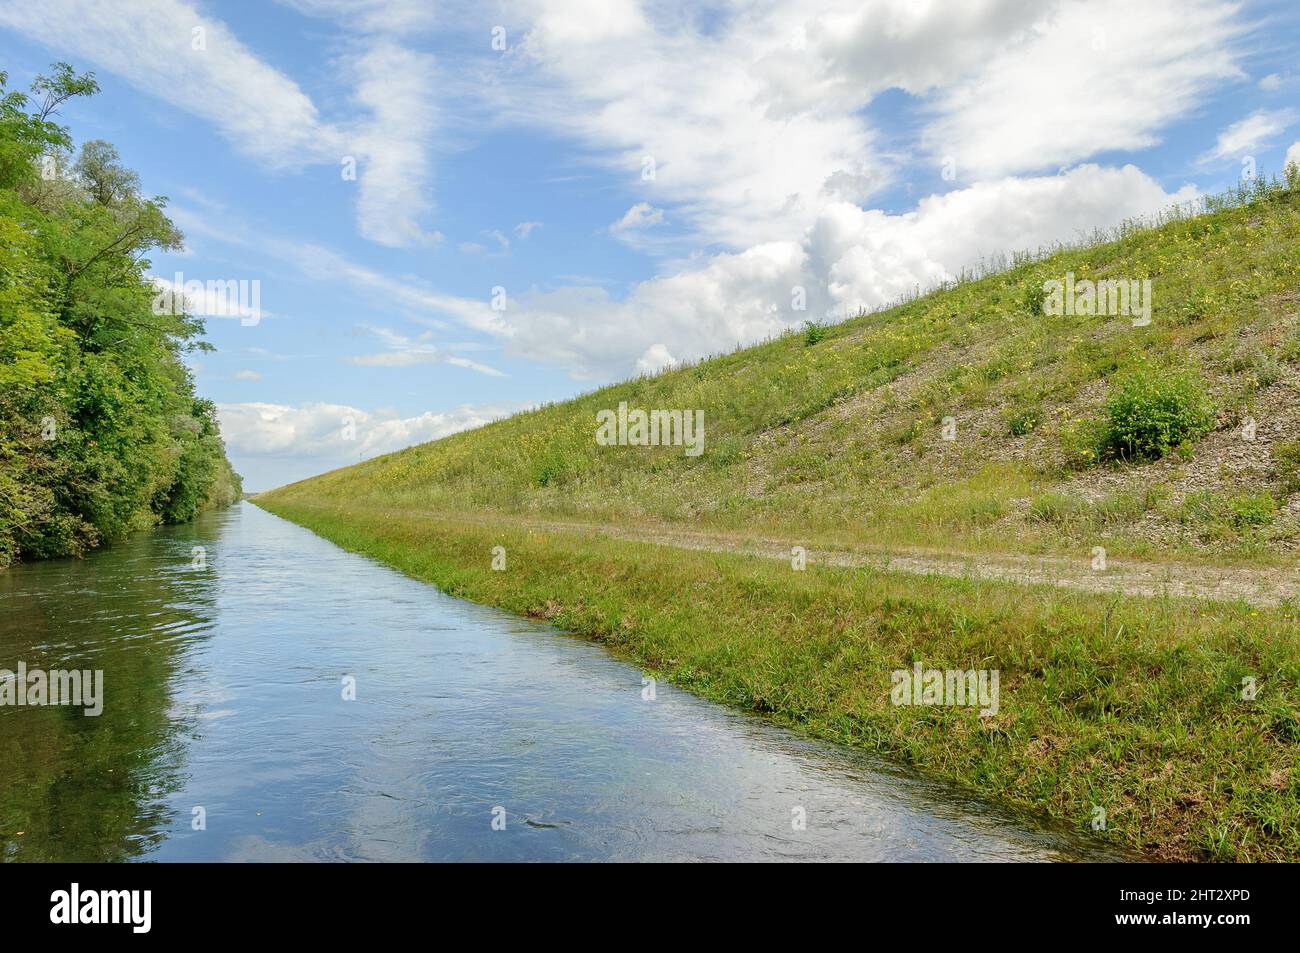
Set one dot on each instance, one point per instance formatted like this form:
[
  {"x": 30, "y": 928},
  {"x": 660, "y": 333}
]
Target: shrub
[
  {"x": 1151, "y": 412},
  {"x": 555, "y": 470},
  {"x": 813, "y": 332},
  {"x": 1035, "y": 295}
]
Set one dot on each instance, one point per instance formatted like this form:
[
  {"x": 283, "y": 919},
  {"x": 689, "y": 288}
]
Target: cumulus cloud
[
  {"x": 869, "y": 258},
  {"x": 686, "y": 113},
  {"x": 844, "y": 52},
  {"x": 313, "y": 437},
  {"x": 849, "y": 258},
  {"x": 747, "y": 130},
  {"x": 744, "y": 130},
  {"x": 744, "y": 125},
  {"x": 1064, "y": 89}
]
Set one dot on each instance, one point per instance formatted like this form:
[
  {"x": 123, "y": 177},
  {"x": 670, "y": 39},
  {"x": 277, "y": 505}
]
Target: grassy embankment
[{"x": 832, "y": 438}]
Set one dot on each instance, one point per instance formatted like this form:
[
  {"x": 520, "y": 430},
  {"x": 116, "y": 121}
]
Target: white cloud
[
  {"x": 258, "y": 109},
  {"x": 211, "y": 298},
  {"x": 150, "y": 42},
  {"x": 390, "y": 16},
  {"x": 247, "y": 376},
  {"x": 867, "y": 258},
  {"x": 1247, "y": 135},
  {"x": 405, "y": 351},
  {"x": 753, "y": 116},
  {"x": 634, "y": 83},
  {"x": 641, "y": 215},
  {"x": 845, "y": 52},
  {"x": 272, "y": 444},
  {"x": 339, "y": 431},
  {"x": 1293, "y": 155},
  {"x": 655, "y": 359},
  {"x": 1088, "y": 76},
  {"x": 848, "y": 258},
  {"x": 753, "y": 119},
  {"x": 396, "y": 168},
  {"x": 1271, "y": 82},
  {"x": 729, "y": 300}
]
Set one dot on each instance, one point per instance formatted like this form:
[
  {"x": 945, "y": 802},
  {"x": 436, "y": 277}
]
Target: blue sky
[{"x": 646, "y": 181}]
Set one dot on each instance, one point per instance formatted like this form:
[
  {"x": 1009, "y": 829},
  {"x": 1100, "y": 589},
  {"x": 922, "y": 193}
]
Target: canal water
[{"x": 231, "y": 649}]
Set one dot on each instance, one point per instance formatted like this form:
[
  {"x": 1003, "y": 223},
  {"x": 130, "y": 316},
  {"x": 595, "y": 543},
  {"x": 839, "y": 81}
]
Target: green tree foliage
[{"x": 100, "y": 430}]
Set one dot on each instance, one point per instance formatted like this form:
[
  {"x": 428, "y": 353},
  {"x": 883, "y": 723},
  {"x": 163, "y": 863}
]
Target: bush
[
  {"x": 813, "y": 332},
  {"x": 1035, "y": 296},
  {"x": 1151, "y": 412}
]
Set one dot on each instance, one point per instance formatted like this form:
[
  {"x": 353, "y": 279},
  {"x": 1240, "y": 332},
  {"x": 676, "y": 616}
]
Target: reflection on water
[{"x": 224, "y": 691}]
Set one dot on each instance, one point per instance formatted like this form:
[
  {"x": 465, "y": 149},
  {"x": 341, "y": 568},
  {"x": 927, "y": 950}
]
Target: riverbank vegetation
[
  {"x": 1171, "y": 724},
  {"x": 101, "y": 432},
  {"x": 972, "y": 420}
]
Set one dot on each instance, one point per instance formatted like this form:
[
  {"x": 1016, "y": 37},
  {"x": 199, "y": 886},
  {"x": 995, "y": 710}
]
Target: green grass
[
  {"x": 835, "y": 431},
  {"x": 836, "y": 438},
  {"x": 1128, "y": 704}
]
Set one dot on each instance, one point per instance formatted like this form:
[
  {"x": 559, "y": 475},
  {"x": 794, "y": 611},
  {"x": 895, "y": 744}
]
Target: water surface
[{"x": 224, "y": 691}]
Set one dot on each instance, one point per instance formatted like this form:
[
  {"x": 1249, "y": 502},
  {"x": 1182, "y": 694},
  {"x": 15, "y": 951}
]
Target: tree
[{"x": 100, "y": 430}]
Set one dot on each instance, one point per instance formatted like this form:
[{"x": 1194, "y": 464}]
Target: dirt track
[{"x": 1255, "y": 585}]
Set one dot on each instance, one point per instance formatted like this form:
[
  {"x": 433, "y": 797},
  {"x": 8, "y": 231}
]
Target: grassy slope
[
  {"x": 840, "y": 441},
  {"x": 1133, "y": 705}
]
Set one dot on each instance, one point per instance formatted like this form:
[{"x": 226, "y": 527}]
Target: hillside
[
  {"x": 836, "y": 434},
  {"x": 1164, "y": 724}
]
